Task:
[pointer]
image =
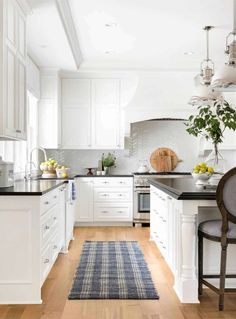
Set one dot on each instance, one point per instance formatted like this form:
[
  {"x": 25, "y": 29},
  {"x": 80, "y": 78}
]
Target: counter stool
[{"x": 223, "y": 231}]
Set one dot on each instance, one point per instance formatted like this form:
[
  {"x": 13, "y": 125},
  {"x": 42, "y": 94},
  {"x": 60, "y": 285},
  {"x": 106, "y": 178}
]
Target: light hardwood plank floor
[{"x": 56, "y": 288}]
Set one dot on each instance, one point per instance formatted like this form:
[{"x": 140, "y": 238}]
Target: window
[{"x": 19, "y": 151}]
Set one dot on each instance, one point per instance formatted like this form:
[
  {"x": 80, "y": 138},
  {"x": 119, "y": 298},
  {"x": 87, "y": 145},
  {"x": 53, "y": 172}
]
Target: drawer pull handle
[
  {"x": 46, "y": 203},
  {"x": 105, "y": 212},
  {"x": 121, "y": 195},
  {"x": 46, "y": 227},
  {"x": 18, "y": 131},
  {"x": 46, "y": 261},
  {"x": 105, "y": 182},
  {"x": 120, "y": 211}
]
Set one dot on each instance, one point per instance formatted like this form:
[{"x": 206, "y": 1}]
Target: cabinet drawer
[
  {"x": 46, "y": 261},
  {"x": 48, "y": 200},
  {"x": 113, "y": 181},
  {"x": 113, "y": 213},
  {"x": 46, "y": 223},
  {"x": 55, "y": 247},
  {"x": 117, "y": 195}
]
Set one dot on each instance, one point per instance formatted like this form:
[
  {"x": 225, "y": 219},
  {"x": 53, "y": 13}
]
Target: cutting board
[{"x": 164, "y": 159}]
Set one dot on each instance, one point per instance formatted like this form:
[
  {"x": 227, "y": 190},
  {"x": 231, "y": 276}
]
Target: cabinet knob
[
  {"x": 46, "y": 203},
  {"x": 55, "y": 218},
  {"x": 55, "y": 196},
  {"x": 46, "y": 227},
  {"x": 55, "y": 247},
  {"x": 46, "y": 261}
]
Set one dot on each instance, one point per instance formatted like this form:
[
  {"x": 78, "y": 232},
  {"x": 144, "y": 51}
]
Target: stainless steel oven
[{"x": 141, "y": 204}]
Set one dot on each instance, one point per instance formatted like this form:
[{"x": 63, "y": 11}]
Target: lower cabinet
[
  {"x": 33, "y": 231},
  {"x": 103, "y": 200},
  {"x": 163, "y": 225}
]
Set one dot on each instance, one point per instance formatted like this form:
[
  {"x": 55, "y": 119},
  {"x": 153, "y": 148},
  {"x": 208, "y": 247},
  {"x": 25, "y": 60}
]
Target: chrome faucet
[
  {"x": 38, "y": 149},
  {"x": 28, "y": 176}
]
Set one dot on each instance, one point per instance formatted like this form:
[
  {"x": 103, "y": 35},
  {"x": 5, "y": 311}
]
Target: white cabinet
[
  {"x": 50, "y": 110},
  {"x": 13, "y": 78},
  {"x": 106, "y": 117},
  {"x": 91, "y": 116},
  {"x": 33, "y": 78},
  {"x": 84, "y": 211},
  {"x": 32, "y": 232},
  {"x": 105, "y": 200}
]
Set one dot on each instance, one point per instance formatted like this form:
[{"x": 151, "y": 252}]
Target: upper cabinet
[
  {"x": 13, "y": 75},
  {"x": 33, "y": 78},
  {"x": 49, "y": 110},
  {"x": 91, "y": 114}
]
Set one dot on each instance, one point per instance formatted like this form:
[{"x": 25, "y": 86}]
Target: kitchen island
[
  {"x": 36, "y": 224},
  {"x": 177, "y": 207}
]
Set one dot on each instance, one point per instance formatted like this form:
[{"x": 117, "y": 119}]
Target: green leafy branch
[{"x": 212, "y": 120}]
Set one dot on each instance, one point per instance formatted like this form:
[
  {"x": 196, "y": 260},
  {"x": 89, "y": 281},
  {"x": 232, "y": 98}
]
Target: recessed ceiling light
[
  {"x": 189, "y": 53},
  {"x": 111, "y": 24}
]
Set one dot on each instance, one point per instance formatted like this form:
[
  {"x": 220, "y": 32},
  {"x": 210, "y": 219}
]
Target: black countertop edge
[
  {"x": 183, "y": 195},
  {"x": 42, "y": 190},
  {"x": 110, "y": 175}
]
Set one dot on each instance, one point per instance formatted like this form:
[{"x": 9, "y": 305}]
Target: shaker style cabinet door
[
  {"x": 10, "y": 94},
  {"x": 84, "y": 209},
  {"x": 76, "y": 114},
  {"x": 106, "y": 114}
]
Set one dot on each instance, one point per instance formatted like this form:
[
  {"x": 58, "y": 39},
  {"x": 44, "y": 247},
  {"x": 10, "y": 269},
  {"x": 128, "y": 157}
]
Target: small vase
[
  {"x": 215, "y": 160},
  {"x": 107, "y": 170}
]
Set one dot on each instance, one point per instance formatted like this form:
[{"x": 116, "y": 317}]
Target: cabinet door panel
[
  {"x": 106, "y": 126},
  {"x": 76, "y": 128},
  {"x": 22, "y": 104},
  {"x": 10, "y": 91},
  {"x": 84, "y": 209},
  {"x": 76, "y": 92},
  {"x": 22, "y": 36},
  {"x": 106, "y": 113},
  {"x": 105, "y": 93},
  {"x": 10, "y": 22}
]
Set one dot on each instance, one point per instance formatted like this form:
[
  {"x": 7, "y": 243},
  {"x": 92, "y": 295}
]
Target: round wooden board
[{"x": 164, "y": 159}]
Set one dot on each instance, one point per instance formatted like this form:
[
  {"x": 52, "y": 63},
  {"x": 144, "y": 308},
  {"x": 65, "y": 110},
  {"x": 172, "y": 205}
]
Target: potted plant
[
  {"x": 210, "y": 122},
  {"x": 108, "y": 161}
]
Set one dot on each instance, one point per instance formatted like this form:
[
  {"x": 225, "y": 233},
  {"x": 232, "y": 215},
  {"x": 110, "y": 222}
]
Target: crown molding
[{"x": 65, "y": 14}]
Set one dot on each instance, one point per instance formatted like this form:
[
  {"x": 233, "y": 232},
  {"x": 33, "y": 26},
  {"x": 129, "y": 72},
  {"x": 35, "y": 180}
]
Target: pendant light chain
[{"x": 234, "y": 17}]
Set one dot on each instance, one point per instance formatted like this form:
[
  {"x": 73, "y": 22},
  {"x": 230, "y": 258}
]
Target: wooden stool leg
[
  {"x": 222, "y": 275},
  {"x": 200, "y": 263}
]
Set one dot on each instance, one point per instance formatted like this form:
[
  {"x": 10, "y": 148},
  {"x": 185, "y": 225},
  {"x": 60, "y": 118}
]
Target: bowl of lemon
[{"x": 201, "y": 173}]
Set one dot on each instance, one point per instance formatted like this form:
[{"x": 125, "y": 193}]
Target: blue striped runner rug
[{"x": 112, "y": 270}]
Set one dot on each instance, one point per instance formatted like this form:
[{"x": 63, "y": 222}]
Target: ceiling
[
  {"x": 131, "y": 34},
  {"x": 47, "y": 42}
]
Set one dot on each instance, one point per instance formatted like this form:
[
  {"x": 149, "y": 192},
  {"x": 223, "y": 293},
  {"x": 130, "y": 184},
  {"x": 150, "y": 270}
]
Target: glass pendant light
[
  {"x": 203, "y": 92},
  {"x": 225, "y": 79}
]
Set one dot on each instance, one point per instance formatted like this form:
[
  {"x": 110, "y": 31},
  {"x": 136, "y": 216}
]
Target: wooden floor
[{"x": 55, "y": 290}]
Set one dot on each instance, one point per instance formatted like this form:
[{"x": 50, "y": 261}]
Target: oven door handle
[{"x": 140, "y": 190}]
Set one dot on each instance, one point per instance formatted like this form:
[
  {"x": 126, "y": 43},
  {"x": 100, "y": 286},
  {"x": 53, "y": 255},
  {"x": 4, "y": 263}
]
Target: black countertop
[
  {"x": 109, "y": 175},
  {"x": 183, "y": 188},
  {"x": 30, "y": 188}
]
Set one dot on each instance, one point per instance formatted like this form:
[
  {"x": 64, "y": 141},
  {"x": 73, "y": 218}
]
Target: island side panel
[{"x": 20, "y": 246}]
